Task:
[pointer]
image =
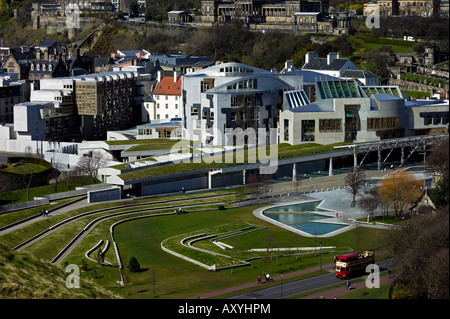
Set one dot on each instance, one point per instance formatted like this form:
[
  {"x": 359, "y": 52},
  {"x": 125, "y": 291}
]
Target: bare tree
[
  {"x": 90, "y": 163},
  {"x": 421, "y": 243},
  {"x": 353, "y": 180},
  {"x": 438, "y": 160},
  {"x": 254, "y": 186},
  {"x": 240, "y": 193},
  {"x": 369, "y": 204},
  {"x": 57, "y": 173}
]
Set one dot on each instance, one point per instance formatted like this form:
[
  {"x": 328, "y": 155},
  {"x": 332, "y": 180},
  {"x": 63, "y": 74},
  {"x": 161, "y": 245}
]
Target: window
[
  {"x": 308, "y": 130},
  {"x": 330, "y": 125},
  {"x": 382, "y": 123}
]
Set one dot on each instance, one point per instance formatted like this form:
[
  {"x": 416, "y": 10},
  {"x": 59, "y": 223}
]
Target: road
[{"x": 300, "y": 286}]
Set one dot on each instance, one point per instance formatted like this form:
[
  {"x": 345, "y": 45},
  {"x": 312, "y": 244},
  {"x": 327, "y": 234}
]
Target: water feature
[{"x": 304, "y": 217}]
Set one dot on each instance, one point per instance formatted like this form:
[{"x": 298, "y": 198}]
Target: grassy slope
[
  {"x": 176, "y": 278},
  {"x": 23, "y": 276}
]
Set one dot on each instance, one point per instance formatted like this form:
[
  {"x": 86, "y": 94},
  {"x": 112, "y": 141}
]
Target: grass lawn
[
  {"x": 283, "y": 150},
  {"x": 368, "y": 293},
  {"x": 20, "y": 196},
  {"x": 165, "y": 276},
  {"x": 24, "y": 169},
  {"x": 395, "y": 47}
]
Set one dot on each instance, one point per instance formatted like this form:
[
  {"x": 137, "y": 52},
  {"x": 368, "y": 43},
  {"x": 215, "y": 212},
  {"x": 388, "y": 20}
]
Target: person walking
[
  {"x": 348, "y": 285},
  {"x": 259, "y": 279}
]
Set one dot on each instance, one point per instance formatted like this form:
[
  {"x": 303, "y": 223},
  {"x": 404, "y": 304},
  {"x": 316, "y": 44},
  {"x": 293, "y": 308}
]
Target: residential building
[
  {"x": 332, "y": 65},
  {"x": 12, "y": 91},
  {"x": 178, "y": 62},
  {"x": 167, "y": 98},
  {"x": 87, "y": 106},
  {"x": 18, "y": 61}
]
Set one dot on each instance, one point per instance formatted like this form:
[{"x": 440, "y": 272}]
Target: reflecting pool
[{"x": 304, "y": 217}]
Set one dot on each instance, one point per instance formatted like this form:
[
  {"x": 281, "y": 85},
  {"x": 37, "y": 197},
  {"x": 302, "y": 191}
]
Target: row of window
[
  {"x": 7, "y": 101},
  {"x": 234, "y": 69},
  {"x": 44, "y": 67},
  {"x": 408, "y": 4},
  {"x": 157, "y": 97},
  {"x": 167, "y": 106},
  {"x": 243, "y": 85}
]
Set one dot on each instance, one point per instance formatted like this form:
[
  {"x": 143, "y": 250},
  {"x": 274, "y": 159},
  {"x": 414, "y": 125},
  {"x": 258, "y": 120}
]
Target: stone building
[
  {"x": 419, "y": 8},
  {"x": 290, "y": 15}
]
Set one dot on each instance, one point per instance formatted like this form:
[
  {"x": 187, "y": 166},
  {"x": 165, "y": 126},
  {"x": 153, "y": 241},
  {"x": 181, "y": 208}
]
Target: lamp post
[
  {"x": 281, "y": 293},
  {"x": 320, "y": 255}
]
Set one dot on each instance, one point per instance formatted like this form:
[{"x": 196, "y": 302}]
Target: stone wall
[{"x": 418, "y": 87}]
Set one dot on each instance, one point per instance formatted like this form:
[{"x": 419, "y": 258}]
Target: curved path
[
  {"x": 92, "y": 224},
  {"x": 74, "y": 242},
  {"x": 83, "y": 203}
]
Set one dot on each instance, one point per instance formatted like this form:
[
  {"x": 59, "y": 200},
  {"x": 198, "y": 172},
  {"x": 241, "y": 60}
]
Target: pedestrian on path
[
  {"x": 348, "y": 285},
  {"x": 259, "y": 279}
]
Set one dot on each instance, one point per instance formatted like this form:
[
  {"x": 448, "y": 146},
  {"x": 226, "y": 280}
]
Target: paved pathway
[
  {"x": 341, "y": 291},
  {"x": 255, "y": 284},
  {"x": 325, "y": 294}
]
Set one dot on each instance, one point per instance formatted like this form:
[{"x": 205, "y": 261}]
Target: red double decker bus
[{"x": 351, "y": 265}]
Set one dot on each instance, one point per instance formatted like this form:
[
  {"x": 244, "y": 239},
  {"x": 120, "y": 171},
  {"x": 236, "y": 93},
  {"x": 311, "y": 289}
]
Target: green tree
[
  {"x": 134, "y": 265},
  {"x": 439, "y": 195}
]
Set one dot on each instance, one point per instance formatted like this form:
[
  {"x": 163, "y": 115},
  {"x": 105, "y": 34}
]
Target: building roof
[
  {"x": 322, "y": 64},
  {"x": 167, "y": 86},
  {"x": 318, "y": 106},
  {"x": 360, "y": 74},
  {"x": 149, "y": 98},
  {"x": 47, "y": 43}
]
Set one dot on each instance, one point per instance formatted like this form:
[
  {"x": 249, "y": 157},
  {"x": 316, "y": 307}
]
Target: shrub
[{"x": 134, "y": 265}]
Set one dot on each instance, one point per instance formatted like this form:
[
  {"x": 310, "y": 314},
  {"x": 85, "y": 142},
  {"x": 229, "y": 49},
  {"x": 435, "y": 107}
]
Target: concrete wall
[
  {"x": 174, "y": 185},
  {"x": 104, "y": 195}
]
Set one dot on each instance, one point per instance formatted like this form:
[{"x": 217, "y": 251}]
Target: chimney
[
  {"x": 176, "y": 74},
  {"x": 289, "y": 65},
  {"x": 331, "y": 57},
  {"x": 309, "y": 56},
  {"x": 159, "y": 76}
]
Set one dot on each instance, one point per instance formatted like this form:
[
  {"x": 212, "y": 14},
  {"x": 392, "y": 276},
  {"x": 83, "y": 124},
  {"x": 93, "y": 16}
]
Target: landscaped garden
[{"x": 164, "y": 275}]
